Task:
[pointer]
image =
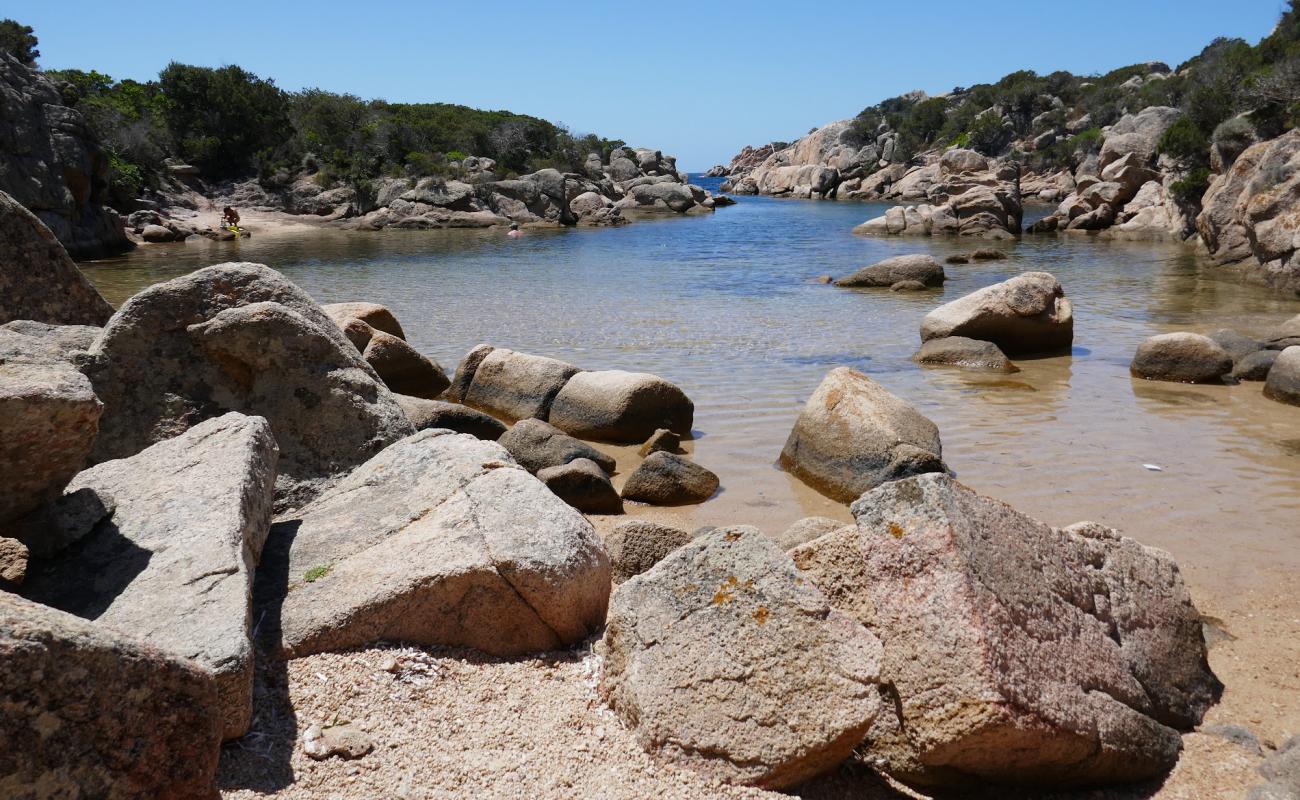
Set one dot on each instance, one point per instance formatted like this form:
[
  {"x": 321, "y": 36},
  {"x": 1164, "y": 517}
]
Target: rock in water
[
  {"x": 1026, "y": 314},
  {"x": 38, "y": 281},
  {"x": 1283, "y": 383},
  {"x": 1255, "y": 366},
  {"x": 666, "y": 479},
  {"x": 537, "y": 445},
  {"x": 512, "y": 385},
  {"x": 722, "y": 658},
  {"x": 1236, "y": 344},
  {"x": 174, "y": 563},
  {"x": 853, "y": 435},
  {"x": 1182, "y": 358},
  {"x": 1019, "y": 653},
  {"x": 48, "y": 419},
  {"x": 620, "y": 406},
  {"x": 584, "y": 485},
  {"x": 439, "y": 539},
  {"x": 918, "y": 267},
  {"x": 373, "y": 314},
  {"x": 91, "y": 713},
  {"x": 638, "y": 545},
  {"x": 426, "y": 414},
  {"x": 959, "y": 351},
  {"x": 240, "y": 337}
]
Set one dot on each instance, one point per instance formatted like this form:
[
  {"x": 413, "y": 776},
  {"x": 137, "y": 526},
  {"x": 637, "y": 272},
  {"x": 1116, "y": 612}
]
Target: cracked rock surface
[
  {"x": 440, "y": 539},
  {"x": 723, "y": 658},
  {"x": 1015, "y": 652}
]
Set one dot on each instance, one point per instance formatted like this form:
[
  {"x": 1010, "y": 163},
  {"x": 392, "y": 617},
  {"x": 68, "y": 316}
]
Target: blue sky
[{"x": 696, "y": 79}]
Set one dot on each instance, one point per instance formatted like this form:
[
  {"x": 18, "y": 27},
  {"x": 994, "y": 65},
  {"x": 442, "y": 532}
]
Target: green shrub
[
  {"x": 19, "y": 41},
  {"x": 1184, "y": 140},
  {"x": 1190, "y": 189}
]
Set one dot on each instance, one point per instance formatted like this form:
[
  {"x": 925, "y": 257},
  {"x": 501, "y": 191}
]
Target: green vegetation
[
  {"x": 317, "y": 572},
  {"x": 233, "y": 124},
  {"x": 1228, "y": 78},
  {"x": 1190, "y": 189},
  {"x": 18, "y": 41}
]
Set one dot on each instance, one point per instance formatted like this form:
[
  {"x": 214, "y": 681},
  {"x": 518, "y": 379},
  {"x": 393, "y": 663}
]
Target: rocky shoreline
[{"x": 224, "y": 479}]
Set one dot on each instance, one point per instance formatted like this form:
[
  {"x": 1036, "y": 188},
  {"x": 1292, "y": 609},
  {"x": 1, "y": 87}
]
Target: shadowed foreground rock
[
  {"x": 537, "y": 445},
  {"x": 853, "y": 435},
  {"x": 1018, "y": 653},
  {"x": 1026, "y": 314},
  {"x": 425, "y": 414},
  {"x": 722, "y": 658},
  {"x": 38, "y": 281},
  {"x": 584, "y": 485},
  {"x": 439, "y": 539},
  {"x": 240, "y": 337},
  {"x": 174, "y": 563},
  {"x": 88, "y": 712}
]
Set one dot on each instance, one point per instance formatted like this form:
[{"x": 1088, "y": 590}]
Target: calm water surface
[{"x": 727, "y": 307}]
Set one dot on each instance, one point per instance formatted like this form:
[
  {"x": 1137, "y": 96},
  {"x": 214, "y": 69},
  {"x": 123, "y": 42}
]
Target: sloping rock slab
[
  {"x": 240, "y": 337},
  {"x": 723, "y": 659},
  {"x": 853, "y": 435},
  {"x": 38, "y": 281},
  {"x": 174, "y": 563},
  {"x": 88, "y": 712},
  {"x": 1025, "y": 314},
  {"x": 1019, "y": 653},
  {"x": 439, "y": 539}
]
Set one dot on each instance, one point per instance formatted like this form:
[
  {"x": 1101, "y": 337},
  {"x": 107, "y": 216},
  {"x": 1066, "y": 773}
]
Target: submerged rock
[
  {"x": 666, "y": 479},
  {"x": 1026, "y": 314},
  {"x": 853, "y": 435},
  {"x": 439, "y": 539},
  {"x": 723, "y": 659},
  {"x": 1182, "y": 358},
  {"x": 1017, "y": 653},
  {"x": 959, "y": 351},
  {"x": 90, "y": 712},
  {"x": 174, "y": 563},
  {"x": 918, "y": 267}
]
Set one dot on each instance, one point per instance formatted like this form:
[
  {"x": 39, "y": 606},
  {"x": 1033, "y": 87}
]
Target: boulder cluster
[
  {"x": 1226, "y": 356},
  {"x": 223, "y": 471}
]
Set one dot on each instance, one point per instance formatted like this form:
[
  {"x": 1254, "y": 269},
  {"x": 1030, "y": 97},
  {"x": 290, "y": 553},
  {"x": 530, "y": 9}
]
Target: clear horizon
[{"x": 698, "y": 82}]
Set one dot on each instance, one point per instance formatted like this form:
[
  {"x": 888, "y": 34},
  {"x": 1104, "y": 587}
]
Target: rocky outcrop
[
  {"x": 723, "y": 659},
  {"x": 53, "y": 165},
  {"x": 439, "y": 539},
  {"x": 240, "y": 337},
  {"x": 1249, "y": 213},
  {"x": 49, "y": 416},
  {"x": 814, "y": 166},
  {"x": 38, "y": 281},
  {"x": 89, "y": 712},
  {"x": 174, "y": 562},
  {"x": 667, "y": 479},
  {"x": 853, "y": 435},
  {"x": 1181, "y": 358},
  {"x": 1026, "y": 314},
  {"x": 923, "y": 269},
  {"x": 1016, "y": 653}
]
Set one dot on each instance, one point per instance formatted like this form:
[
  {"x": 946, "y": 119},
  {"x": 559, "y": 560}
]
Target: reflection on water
[{"x": 727, "y": 307}]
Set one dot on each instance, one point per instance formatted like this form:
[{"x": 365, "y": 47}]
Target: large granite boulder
[
  {"x": 537, "y": 445},
  {"x": 1182, "y": 358},
  {"x": 38, "y": 281},
  {"x": 1137, "y": 134},
  {"x": 174, "y": 562},
  {"x": 723, "y": 659},
  {"x": 915, "y": 267},
  {"x": 1017, "y": 653},
  {"x": 620, "y": 406},
  {"x": 667, "y": 479},
  {"x": 853, "y": 435},
  {"x": 1283, "y": 382},
  {"x": 89, "y": 712},
  {"x": 439, "y": 539},
  {"x": 240, "y": 337},
  {"x": 1025, "y": 314},
  {"x": 509, "y": 384},
  {"x": 53, "y": 164},
  {"x": 425, "y": 414},
  {"x": 49, "y": 416}
]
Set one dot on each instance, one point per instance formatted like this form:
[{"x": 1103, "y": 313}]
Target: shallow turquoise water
[{"x": 727, "y": 306}]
